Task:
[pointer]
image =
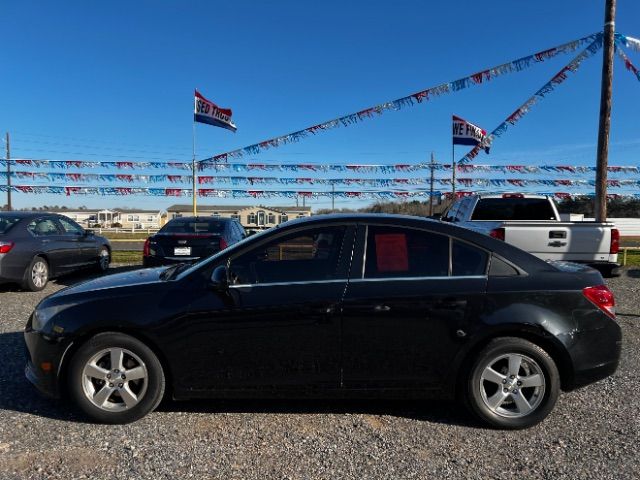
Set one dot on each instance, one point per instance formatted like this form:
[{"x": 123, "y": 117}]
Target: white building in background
[{"x": 125, "y": 218}]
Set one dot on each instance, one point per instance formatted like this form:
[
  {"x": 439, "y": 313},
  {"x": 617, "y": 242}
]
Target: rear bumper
[
  {"x": 595, "y": 354},
  {"x": 10, "y": 271}
]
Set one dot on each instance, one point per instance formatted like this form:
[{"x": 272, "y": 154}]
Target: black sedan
[
  {"x": 37, "y": 246},
  {"x": 333, "y": 306},
  {"x": 188, "y": 239}
]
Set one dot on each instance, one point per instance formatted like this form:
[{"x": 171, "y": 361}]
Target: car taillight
[
  {"x": 223, "y": 243},
  {"x": 5, "y": 247},
  {"x": 601, "y": 297},
  {"x": 615, "y": 241},
  {"x": 146, "y": 249},
  {"x": 497, "y": 233},
  {"x": 512, "y": 195}
]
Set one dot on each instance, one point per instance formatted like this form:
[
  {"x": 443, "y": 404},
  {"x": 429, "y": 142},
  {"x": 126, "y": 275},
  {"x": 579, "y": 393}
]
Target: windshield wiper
[{"x": 172, "y": 271}]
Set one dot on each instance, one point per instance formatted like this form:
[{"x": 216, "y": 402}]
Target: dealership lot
[{"x": 593, "y": 432}]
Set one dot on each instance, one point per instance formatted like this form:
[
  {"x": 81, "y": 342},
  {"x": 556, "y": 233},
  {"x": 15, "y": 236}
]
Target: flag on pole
[
  {"x": 206, "y": 111},
  {"x": 466, "y": 133}
]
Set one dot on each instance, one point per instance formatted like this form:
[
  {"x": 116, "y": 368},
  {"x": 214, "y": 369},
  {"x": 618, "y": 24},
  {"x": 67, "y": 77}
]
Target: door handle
[
  {"x": 557, "y": 234},
  {"x": 44, "y": 240},
  {"x": 381, "y": 308},
  {"x": 557, "y": 243}
]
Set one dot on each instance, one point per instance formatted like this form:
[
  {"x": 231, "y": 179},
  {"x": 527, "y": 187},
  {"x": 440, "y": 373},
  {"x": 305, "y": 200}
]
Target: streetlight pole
[
  {"x": 605, "y": 111},
  {"x": 8, "y": 145}
]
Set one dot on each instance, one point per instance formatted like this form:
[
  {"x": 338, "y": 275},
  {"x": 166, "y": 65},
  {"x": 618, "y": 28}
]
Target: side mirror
[
  {"x": 219, "y": 280},
  {"x": 88, "y": 232}
]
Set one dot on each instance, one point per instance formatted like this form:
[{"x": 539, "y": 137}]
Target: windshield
[
  {"x": 6, "y": 223},
  {"x": 214, "y": 257},
  {"x": 193, "y": 226}
]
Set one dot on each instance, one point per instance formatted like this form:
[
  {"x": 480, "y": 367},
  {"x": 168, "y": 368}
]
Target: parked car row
[
  {"x": 330, "y": 306},
  {"x": 36, "y": 247}
]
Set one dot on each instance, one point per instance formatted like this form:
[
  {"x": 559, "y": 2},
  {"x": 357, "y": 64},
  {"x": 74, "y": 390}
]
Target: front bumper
[{"x": 41, "y": 350}]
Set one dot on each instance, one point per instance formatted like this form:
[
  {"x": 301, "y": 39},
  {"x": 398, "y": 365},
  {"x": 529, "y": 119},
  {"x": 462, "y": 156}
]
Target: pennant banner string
[
  {"x": 226, "y": 193},
  {"x": 627, "y": 63},
  {"x": 546, "y": 89},
  {"x": 629, "y": 42},
  {"x": 410, "y": 100},
  {"x": 373, "y": 182}
]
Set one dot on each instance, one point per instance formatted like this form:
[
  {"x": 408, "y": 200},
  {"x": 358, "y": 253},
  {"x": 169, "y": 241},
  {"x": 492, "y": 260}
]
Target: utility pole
[
  {"x": 333, "y": 197},
  {"x": 432, "y": 166},
  {"x": 605, "y": 111},
  {"x": 8, "y": 145}
]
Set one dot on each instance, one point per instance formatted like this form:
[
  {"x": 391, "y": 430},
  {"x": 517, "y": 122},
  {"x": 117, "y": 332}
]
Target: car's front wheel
[
  {"x": 115, "y": 378},
  {"x": 513, "y": 384}
]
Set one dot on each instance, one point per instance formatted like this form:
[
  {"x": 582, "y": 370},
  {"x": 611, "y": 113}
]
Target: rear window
[
  {"x": 7, "y": 222},
  {"x": 193, "y": 226},
  {"x": 513, "y": 209}
]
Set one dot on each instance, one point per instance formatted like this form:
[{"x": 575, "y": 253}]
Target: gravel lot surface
[{"x": 593, "y": 433}]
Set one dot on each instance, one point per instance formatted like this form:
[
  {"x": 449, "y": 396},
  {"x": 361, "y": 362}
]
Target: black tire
[
  {"x": 104, "y": 259},
  {"x": 147, "y": 391},
  {"x": 484, "y": 390},
  {"x": 36, "y": 281}
]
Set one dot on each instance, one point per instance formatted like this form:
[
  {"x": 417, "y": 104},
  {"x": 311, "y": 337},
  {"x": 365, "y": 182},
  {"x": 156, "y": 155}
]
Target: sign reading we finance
[
  {"x": 206, "y": 111},
  {"x": 466, "y": 133}
]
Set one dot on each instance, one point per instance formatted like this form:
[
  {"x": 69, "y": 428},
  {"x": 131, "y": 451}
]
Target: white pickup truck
[{"x": 532, "y": 223}]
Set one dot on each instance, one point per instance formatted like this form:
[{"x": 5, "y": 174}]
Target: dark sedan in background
[
  {"x": 188, "y": 239},
  {"x": 37, "y": 246},
  {"x": 333, "y": 306}
]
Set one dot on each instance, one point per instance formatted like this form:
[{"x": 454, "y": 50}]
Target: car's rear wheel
[
  {"x": 37, "y": 274},
  {"x": 104, "y": 259},
  {"x": 115, "y": 378},
  {"x": 513, "y": 384}
]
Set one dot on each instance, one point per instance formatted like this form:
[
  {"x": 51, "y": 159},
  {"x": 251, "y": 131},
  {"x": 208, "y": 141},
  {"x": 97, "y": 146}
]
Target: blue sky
[{"x": 114, "y": 81}]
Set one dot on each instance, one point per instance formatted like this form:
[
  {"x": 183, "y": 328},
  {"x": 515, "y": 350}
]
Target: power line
[{"x": 90, "y": 140}]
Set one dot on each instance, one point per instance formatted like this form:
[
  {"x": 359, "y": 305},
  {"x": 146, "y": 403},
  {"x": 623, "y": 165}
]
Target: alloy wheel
[
  {"x": 39, "y": 273},
  {"x": 512, "y": 385},
  {"x": 115, "y": 379}
]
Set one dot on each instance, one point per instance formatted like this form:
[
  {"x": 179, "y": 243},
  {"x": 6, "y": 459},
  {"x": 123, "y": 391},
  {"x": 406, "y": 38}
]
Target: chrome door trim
[{"x": 272, "y": 284}]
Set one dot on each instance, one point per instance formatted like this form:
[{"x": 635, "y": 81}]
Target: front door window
[{"x": 312, "y": 255}]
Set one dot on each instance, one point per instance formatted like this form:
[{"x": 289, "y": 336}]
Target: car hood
[{"x": 117, "y": 280}]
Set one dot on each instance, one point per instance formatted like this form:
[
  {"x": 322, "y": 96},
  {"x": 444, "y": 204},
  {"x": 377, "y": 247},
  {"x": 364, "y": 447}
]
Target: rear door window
[
  {"x": 43, "y": 227},
  {"x": 467, "y": 260},
  {"x": 393, "y": 252}
]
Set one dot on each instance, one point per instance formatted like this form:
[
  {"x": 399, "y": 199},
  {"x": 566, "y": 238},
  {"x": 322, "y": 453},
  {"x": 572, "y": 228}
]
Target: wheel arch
[
  {"x": 538, "y": 337},
  {"x": 63, "y": 368}
]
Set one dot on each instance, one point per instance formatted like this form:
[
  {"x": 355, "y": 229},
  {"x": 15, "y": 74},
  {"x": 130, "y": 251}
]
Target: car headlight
[{"x": 41, "y": 316}]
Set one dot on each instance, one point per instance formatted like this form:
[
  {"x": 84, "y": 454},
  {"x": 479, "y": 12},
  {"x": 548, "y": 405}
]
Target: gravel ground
[{"x": 593, "y": 433}]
